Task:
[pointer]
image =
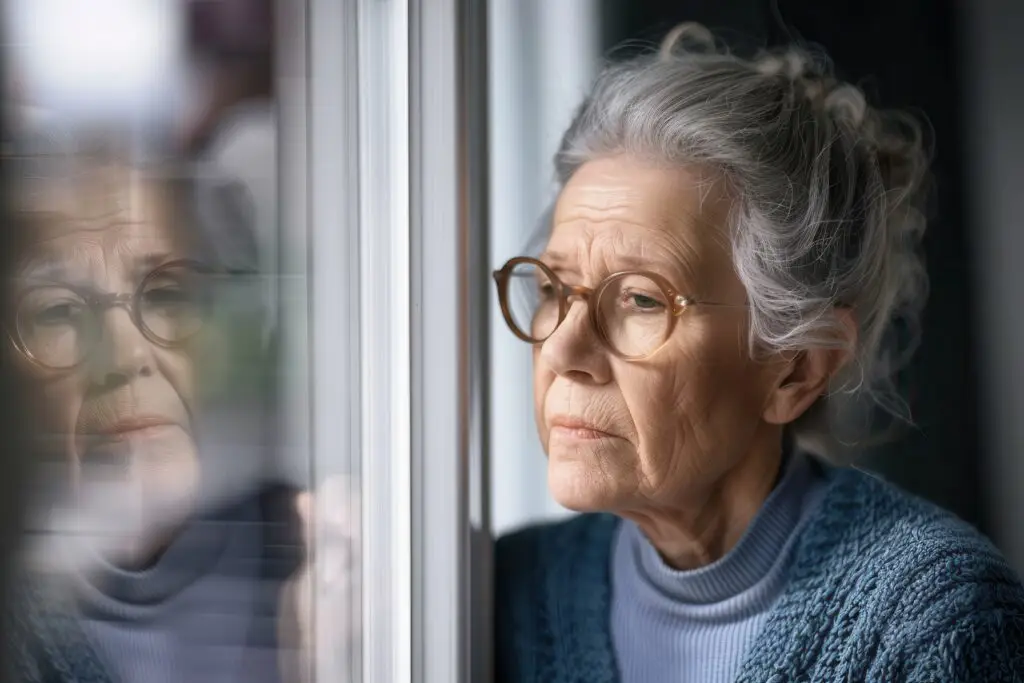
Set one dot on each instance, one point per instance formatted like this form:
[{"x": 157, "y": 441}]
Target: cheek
[
  {"x": 654, "y": 397},
  {"x": 542, "y": 380},
  {"x": 178, "y": 368},
  {"x": 63, "y": 399},
  {"x": 700, "y": 395},
  {"x": 55, "y": 404},
  {"x": 53, "y": 399}
]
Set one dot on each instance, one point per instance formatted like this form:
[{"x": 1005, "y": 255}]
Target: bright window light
[{"x": 105, "y": 55}]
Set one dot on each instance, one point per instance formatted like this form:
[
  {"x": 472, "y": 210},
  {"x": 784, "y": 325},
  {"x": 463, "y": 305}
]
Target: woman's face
[
  {"x": 123, "y": 417},
  {"x": 625, "y": 435}
]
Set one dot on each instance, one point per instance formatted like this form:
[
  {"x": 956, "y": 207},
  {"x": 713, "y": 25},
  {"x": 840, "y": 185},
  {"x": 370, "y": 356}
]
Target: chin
[
  {"x": 581, "y": 485},
  {"x": 152, "y": 480}
]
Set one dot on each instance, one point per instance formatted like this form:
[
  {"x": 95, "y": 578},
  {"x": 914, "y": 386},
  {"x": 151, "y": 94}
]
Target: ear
[{"x": 806, "y": 375}]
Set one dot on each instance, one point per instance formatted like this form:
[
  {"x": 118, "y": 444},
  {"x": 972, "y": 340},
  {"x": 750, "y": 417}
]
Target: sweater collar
[
  {"x": 745, "y": 565},
  {"x": 200, "y": 549}
]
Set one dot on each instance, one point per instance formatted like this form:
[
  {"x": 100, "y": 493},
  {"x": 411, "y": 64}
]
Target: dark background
[{"x": 904, "y": 54}]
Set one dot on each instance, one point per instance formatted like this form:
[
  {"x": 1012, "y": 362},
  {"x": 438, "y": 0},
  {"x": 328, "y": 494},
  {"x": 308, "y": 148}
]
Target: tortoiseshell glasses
[{"x": 633, "y": 312}]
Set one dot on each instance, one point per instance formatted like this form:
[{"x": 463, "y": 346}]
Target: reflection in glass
[
  {"x": 59, "y": 325},
  {"x": 163, "y": 535}
]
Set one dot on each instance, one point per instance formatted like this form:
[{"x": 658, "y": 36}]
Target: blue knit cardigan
[{"x": 883, "y": 587}]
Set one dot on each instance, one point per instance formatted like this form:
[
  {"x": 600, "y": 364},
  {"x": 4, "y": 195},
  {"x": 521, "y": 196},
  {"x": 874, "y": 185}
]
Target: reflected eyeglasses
[
  {"x": 58, "y": 325},
  {"x": 633, "y": 312}
]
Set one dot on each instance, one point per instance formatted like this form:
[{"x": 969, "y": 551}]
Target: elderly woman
[
  {"x": 129, "y": 297},
  {"x": 731, "y": 243}
]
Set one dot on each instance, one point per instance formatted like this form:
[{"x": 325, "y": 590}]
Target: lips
[
  {"x": 578, "y": 428},
  {"x": 110, "y": 443},
  {"x": 126, "y": 427}
]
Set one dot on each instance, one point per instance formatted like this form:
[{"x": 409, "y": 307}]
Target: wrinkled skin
[
  {"x": 122, "y": 420},
  {"x": 687, "y": 442}
]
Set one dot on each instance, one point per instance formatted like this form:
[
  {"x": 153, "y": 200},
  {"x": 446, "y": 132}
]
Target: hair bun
[
  {"x": 845, "y": 103},
  {"x": 812, "y": 77},
  {"x": 895, "y": 139},
  {"x": 688, "y": 37}
]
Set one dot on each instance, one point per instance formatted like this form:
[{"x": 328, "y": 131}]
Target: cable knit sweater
[{"x": 883, "y": 587}]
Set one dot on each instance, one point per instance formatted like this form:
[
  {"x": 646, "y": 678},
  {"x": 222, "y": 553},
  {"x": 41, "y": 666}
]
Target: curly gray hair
[{"x": 828, "y": 197}]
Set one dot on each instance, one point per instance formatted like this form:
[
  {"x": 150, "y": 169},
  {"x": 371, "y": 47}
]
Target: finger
[
  {"x": 338, "y": 505},
  {"x": 304, "y": 509},
  {"x": 304, "y": 506}
]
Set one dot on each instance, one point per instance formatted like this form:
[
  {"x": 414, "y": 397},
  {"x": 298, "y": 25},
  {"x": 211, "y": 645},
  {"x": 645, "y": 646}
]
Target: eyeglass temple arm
[{"x": 716, "y": 304}]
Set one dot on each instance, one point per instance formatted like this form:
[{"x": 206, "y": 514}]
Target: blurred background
[{"x": 300, "y": 106}]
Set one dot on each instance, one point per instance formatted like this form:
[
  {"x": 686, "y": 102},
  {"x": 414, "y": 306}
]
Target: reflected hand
[{"x": 331, "y": 575}]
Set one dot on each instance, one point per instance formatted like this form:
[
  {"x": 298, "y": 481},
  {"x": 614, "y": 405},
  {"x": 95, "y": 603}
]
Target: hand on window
[{"x": 325, "y": 593}]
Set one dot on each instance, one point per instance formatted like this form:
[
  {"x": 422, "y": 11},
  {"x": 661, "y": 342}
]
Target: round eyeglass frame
[
  {"x": 679, "y": 303},
  {"x": 99, "y": 302}
]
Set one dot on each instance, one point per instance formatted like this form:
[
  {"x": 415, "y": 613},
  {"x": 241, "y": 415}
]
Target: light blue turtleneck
[{"x": 671, "y": 626}]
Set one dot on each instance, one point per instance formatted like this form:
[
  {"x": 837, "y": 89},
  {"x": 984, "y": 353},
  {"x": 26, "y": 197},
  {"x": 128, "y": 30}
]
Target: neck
[{"x": 703, "y": 525}]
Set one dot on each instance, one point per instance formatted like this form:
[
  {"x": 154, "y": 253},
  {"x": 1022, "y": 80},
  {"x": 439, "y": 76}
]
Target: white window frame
[
  {"x": 383, "y": 182},
  {"x": 451, "y": 526}
]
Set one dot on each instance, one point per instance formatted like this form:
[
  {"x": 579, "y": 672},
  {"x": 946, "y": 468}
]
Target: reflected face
[
  {"x": 122, "y": 416},
  {"x": 624, "y": 435}
]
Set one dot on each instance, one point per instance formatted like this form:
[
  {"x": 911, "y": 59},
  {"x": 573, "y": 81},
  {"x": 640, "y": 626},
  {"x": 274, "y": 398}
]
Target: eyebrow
[
  {"x": 557, "y": 259},
  {"x": 40, "y": 267},
  {"x": 151, "y": 260},
  {"x": 679, "y": 275},
  {"x": 52, "y": 269}
]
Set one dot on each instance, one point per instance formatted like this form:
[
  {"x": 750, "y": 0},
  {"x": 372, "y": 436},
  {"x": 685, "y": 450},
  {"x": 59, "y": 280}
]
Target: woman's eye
[
  {"x": 642, "y": 302},
  {"x": 167, "y": 296},
  {"x": 58, "y": 314},
  {"x": 547, "y": 290}
]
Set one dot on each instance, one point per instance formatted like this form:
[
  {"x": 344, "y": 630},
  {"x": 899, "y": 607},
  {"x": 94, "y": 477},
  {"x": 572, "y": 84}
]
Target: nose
[
  {"x": 574, "y": 351},
  {"x": 122, "y": 352}
]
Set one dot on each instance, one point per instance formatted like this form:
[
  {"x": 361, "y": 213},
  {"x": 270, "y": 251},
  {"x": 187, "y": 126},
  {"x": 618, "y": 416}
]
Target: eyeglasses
[
  {"x": 633, "y": 312},
  {"x": 57, "y": 326}
]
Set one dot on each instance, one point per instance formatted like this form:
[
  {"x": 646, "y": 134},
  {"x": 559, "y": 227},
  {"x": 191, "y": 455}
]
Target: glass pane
[
  {"x": 163, "y": 371},
  {"x": 180, "y": 478}
]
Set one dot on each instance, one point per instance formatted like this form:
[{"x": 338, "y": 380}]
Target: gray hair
[{"x": 828, "y": 200}]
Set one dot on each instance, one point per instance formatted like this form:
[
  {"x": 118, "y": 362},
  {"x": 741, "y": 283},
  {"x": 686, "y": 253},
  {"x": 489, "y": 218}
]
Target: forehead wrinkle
[
  {"x": 599, "y": 196},
  {"x": 590, "y": 218},
  {"x": 50, "y": 262},
  {"x": 592, "y": 205},
  {"x": 669, "y": 219},
  {"x": 664, "y": 252},
  {"x": 123, "y": 244},
  {"x": 679, "y": 230},
  {"x": 90, "y": 255}
]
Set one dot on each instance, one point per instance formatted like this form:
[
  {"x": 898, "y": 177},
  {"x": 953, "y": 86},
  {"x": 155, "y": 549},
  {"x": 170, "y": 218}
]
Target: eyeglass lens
[
  {"x": 58, "y": 327},
  {"x": 632, "y": 311}
]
